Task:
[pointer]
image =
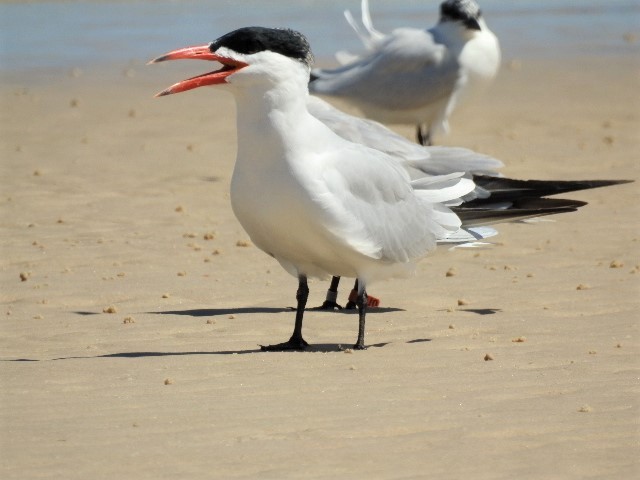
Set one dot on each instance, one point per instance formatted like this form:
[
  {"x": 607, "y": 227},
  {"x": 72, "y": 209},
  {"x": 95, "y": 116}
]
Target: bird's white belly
[{"x": 282, "y": 221}]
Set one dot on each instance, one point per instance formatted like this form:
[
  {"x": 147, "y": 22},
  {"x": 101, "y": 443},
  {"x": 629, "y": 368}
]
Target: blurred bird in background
[{"x": 415, "y": 76}]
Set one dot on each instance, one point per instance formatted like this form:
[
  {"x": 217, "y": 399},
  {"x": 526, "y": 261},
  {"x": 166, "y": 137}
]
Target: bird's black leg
[
  {"x": 353, "y": 296},
  {"x": 362, "y": 311},
  {"x": 423, "y": 135},
  {"x": 331, "y": 301},
  {"x": 296, "y": 342}
]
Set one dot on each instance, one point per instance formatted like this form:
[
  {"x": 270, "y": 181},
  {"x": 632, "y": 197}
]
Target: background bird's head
[{"x": 464, "y": 12}]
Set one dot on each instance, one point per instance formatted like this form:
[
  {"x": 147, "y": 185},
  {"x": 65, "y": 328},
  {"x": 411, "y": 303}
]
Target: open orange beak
[{"x": 202, "y": 52}]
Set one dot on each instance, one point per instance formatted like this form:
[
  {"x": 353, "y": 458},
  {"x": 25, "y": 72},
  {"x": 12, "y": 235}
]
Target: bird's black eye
[{"x": 249, "y": 40}]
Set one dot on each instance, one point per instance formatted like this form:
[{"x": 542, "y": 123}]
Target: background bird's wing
[{"x": 408, "y": 70}]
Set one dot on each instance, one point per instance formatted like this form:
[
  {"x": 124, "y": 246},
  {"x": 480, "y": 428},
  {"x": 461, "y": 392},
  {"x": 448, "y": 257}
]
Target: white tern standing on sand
[
  {"x": 416, "y": 76},
  {"x": 316, "y": 202}
]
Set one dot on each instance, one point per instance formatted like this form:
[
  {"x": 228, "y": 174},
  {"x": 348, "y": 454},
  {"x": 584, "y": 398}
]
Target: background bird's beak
[{"x": 472, "y": 24}]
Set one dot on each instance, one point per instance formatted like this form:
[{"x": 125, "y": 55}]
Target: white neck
[{"x": 274, "y": 122}]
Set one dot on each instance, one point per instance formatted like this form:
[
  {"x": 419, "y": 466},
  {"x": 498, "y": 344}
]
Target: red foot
[{"x": 371, "y": 300}]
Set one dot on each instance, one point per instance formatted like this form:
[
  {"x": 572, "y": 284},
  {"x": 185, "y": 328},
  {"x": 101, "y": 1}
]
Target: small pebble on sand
[
  {"x": 488, "y": 357},
  {"x": 24, "y": 276},
  {"x": 451, "y": 272},
  {"x": 584, "y": 409},
  {"x": 168, "y": 381},
  {"x": 583, "y": 286},
  {"x": 462, "y": 302},
  {"x": 110, "y": 309},
  {"x": 519, "y": 340},
  {"x": 128, "y": 320},
  {"x": 616, "y": 264},
  {"x": 243, "y": 243}
]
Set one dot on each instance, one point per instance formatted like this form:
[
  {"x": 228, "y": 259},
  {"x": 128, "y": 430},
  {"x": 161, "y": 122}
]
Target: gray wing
[
  {"x": 417, "y": 159},
  {"x": 408, "y": 70}
]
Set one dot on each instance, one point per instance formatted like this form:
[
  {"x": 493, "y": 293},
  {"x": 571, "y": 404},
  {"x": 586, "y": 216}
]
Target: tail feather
[
  {"x": 504, "y": 189},
  {"x": 369, "y": 36},
  {"x": 520, "y": 209}
]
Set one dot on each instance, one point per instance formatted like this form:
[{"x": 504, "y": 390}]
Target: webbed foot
[
  {"x": 294, "y": 344},
  {"x": 328, "y": 305}
]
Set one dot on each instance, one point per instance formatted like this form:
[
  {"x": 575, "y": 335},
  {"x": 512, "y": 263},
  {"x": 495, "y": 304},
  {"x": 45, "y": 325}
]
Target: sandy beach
[{"x": 133, "y": 303}]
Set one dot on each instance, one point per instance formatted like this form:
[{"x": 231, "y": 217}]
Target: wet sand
[{"x": 133, "y": 303}]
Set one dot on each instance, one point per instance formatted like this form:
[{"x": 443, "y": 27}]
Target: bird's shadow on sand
[
  {"x": 315, "y": 348},
  {"x": 212, "y": 312}
]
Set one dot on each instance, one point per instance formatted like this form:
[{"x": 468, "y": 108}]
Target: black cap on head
[
  {"x": 250, "y": 40},
  {"x": 465, "y": 11}
]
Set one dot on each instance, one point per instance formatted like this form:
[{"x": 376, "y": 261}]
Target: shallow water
[{"x": 46, "y": 35}]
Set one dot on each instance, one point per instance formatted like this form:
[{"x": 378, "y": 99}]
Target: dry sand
[{"x": 131, "y": 311}]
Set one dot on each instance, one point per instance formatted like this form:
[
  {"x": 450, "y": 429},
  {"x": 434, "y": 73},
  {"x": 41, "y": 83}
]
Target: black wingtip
[
  {"x": 508, "y": 189},
  {"x": 522, "y": 209}
]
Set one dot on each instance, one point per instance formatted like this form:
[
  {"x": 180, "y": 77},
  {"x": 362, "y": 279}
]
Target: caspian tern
[
  {"x": 415, "y": 76},
  {"x": 319, "y": 204}
]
